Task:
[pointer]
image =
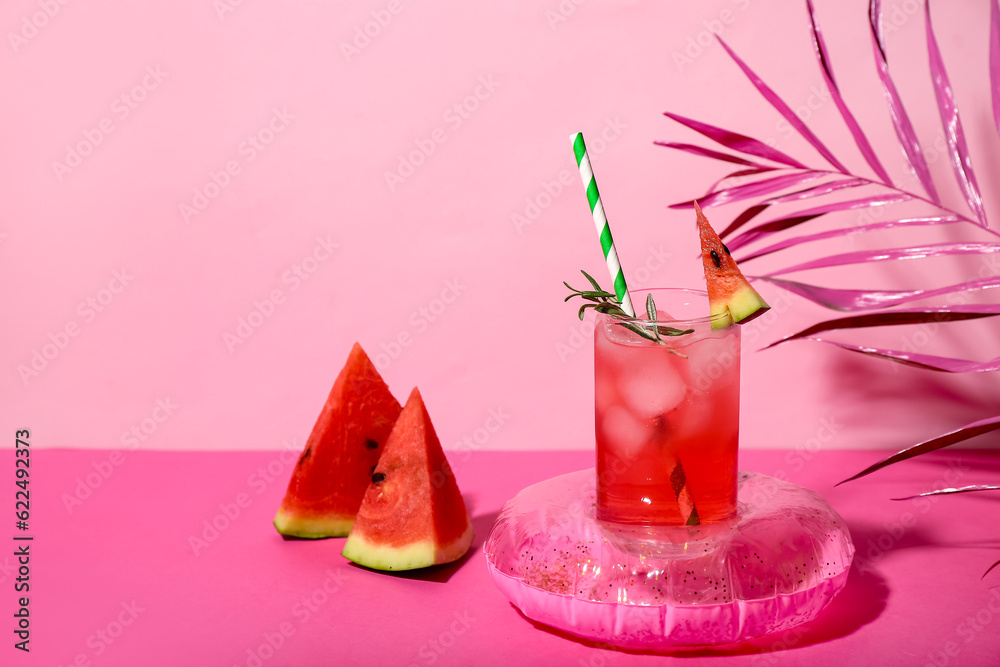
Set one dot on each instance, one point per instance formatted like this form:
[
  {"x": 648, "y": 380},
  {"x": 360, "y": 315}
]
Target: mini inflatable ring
[{"x": 776, "y": 565}]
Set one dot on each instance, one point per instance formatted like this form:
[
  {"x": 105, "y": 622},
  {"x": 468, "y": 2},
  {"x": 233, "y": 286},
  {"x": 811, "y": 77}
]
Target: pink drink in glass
[{"x": 667, "y": 415}]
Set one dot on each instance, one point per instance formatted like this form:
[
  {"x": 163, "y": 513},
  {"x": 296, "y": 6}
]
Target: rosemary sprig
[{"x": 603, "y": 301}]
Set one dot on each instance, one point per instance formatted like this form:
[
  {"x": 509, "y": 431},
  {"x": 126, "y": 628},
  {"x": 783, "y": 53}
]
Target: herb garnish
[{"x": 606, "y": 302}]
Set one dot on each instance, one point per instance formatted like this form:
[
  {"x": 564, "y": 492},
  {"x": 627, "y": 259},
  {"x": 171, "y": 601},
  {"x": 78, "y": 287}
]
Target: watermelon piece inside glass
[
  {"x": 729, "y": 292},
  {"x": 336, "y": 465},
  {"x": 412, "y": 514}
]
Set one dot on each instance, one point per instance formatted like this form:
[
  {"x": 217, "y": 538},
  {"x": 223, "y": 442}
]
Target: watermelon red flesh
[
  {"x": 730, "y": 296},
  {"x": 412, "y": 514},
  {"x": 335, "y": 467}
]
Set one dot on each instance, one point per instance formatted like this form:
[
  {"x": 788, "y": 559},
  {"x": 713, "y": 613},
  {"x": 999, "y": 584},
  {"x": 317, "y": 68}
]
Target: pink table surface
[{"x": 119, "y": 576}]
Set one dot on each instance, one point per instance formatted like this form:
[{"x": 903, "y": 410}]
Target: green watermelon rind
[
  {"x": 744, "y": 305},
  {"x": 747, "y": 305},
  {"x": 317, "y": 527},
  {"x": 416, "y": 555}
]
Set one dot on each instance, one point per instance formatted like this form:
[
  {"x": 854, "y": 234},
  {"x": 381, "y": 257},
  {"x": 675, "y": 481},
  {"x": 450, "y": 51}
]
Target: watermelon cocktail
[
  {"x": 667, "y": 414},
  {"x": 667, "y": 429},
  {"x": 667, "y": 392}
]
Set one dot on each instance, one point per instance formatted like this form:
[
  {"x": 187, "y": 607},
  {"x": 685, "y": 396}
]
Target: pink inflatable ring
[{"x": 774, "y": 566}]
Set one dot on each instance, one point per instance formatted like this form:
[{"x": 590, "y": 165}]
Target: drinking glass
[{"x": 666, "y": 402}]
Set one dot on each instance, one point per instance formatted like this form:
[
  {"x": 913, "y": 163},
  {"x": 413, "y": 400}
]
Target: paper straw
[
  {"x": 601, "y": 222},
  {"x": 678, "y": 480}
]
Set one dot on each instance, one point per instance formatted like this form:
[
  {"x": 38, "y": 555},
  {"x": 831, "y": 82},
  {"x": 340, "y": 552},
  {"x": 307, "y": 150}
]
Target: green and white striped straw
[
  {"x": 678, "y": 480},
  {"x": 601, "y": 222}
]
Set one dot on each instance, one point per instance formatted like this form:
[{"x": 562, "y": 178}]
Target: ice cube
[
  {"x": 622, "y": 335},
  {"x": 713, "y": 360},
  {"x": 713, "y": 407},
  {"x": 653, "y": 386},
  {"x": 626, "y": 434},
  {"x": 605, "y": 388}
]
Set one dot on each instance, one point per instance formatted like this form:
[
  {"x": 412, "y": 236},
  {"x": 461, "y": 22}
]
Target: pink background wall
[{"x": 234, "y": 160}]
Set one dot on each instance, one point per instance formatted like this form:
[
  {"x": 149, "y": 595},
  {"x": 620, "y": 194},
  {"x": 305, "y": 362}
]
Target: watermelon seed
[
  {"x": 716, "y": 260},
  {"x": 371, "y": 444},
  {"x": 726, "y": 248},
  {"x": 372, "y": 471},
  {"x": 378, "y": 477}
]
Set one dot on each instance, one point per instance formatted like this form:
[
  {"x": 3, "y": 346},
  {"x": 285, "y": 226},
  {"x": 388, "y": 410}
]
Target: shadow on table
[
  {"x": 443, "y": 573},
  {"x": 861, "y": 602},
  {"x": 874, "y": 542},
  {"x": 987, "y": 466}
]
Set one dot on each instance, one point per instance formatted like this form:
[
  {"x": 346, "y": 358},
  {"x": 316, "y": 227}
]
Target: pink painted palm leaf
[
  {"x": 954, "y": 313},
  {"x": 928, "y": 362},
  {"x": 708, "y": 152},
  {"x": 958, "y": 150},
  {"x": 851, "y": 300},
  {"x": 819, "y": 190},
  {"x": 859, "y": 136},
  {"x": 743, "y": 218},
  {"x": 785, "y": 110},
  {"x": 737, "y": 142},
  {"x": 890, "y": 254},
  {"x": 959, "y": 435},
  {"x": 946, "y": 492},
  {"x": 995, "y": 60},
  {"x": 738, "y": 174},
  {"x": 808, "y": 214},
  {"x": 847, "y": 231},
  {"x": 758, "y": 188},
  {"x": 768, "y": 228},
  {"x": 900, "y": 120}
]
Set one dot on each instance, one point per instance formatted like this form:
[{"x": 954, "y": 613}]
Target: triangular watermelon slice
[
  {"x": 413, "y": 514},
  {"x": 729, "y": 293},
  {"x": 336, "y": 465}
]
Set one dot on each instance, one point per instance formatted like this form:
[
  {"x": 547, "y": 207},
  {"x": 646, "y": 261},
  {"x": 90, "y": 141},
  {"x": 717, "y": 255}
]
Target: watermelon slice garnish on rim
[
  {"x": 336, "y": 465},
  {"x": 731, "y": 298},
  {"x": 412, "y": 515}
]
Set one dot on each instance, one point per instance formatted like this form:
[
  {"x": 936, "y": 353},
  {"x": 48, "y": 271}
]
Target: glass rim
[{"x": 641, "y": 308}]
